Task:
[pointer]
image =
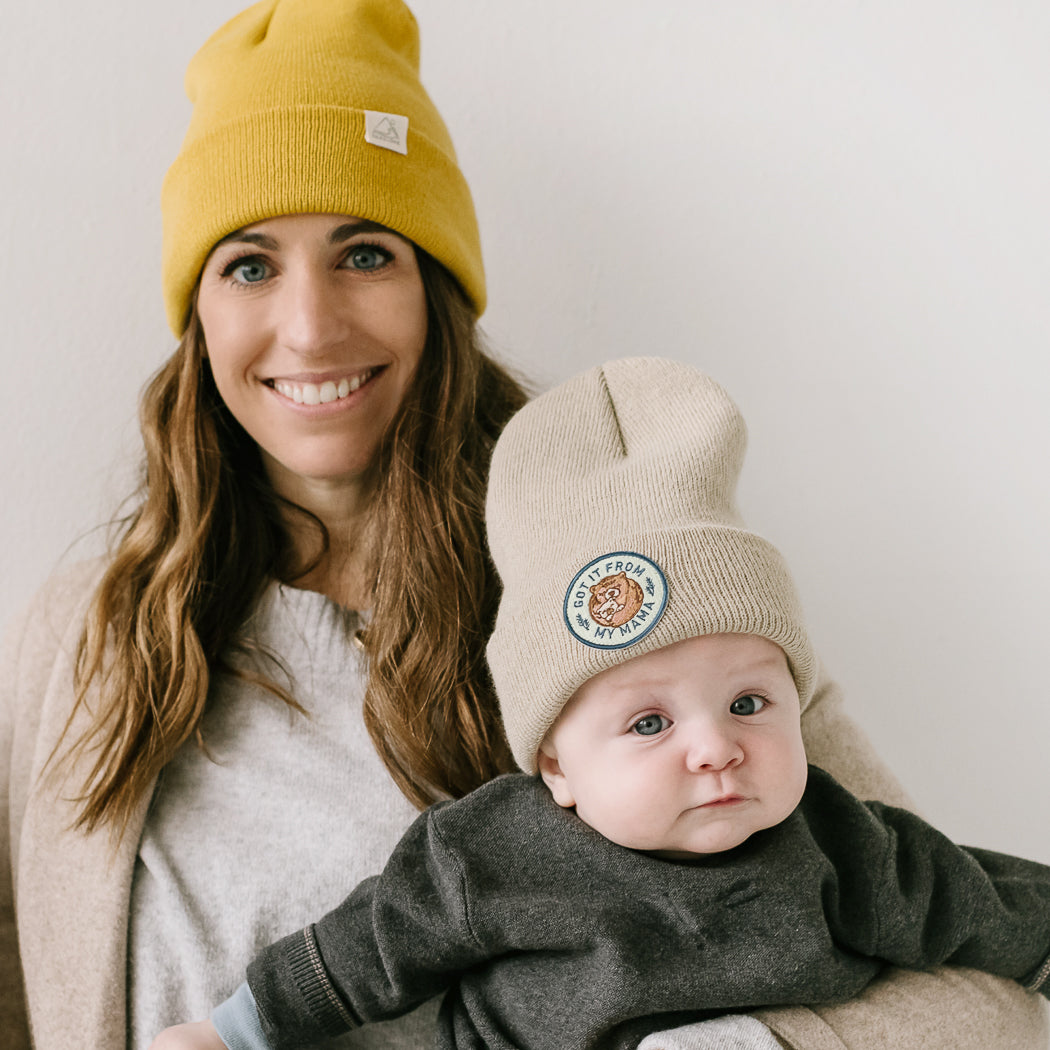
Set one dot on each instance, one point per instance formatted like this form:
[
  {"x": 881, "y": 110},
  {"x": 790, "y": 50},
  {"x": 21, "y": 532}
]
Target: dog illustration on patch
[{"x": 614, "y": 600}]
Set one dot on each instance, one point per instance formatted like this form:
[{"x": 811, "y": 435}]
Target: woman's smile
[{"x": 321, "y": 390}]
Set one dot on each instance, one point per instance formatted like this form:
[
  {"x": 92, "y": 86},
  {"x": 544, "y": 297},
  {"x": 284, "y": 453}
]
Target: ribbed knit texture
[
  {"x": 278, "y": 127},
  {"x": 640, "y": 455},
  {"x": 310, "y": 978},
  {"x": 292, "y": 813},
  {"x": 237, "y": 1021},
  {"x": 1040, "y": 980}
]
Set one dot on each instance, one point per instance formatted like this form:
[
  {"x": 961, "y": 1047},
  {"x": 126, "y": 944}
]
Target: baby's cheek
[
  {"x": 600, "y": 806},
  {"x": 625, "y": 814}
]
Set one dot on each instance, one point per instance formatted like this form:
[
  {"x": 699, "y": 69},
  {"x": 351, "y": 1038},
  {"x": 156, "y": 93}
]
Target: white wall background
[{"x": 838, "y": 210}]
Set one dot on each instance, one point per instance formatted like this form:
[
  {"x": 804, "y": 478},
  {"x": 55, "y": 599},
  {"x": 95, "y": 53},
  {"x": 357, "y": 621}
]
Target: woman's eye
[
  {"x": 650, "y": 725},
  {"x": 367, "y": 257},
  {"x": 248, "y": 271},
  {"x": 747, "y": 705}
]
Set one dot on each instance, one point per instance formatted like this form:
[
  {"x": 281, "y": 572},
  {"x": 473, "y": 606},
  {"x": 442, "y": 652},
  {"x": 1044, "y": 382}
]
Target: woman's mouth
[{"x": 322, "y": 393}]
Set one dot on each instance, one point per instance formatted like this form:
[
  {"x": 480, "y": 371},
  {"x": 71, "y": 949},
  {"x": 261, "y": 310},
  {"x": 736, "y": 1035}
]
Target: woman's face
[{"x": 314, "y": 326}]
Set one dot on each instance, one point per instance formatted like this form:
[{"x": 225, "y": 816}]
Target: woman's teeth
[{"x": 321, "y": 393}]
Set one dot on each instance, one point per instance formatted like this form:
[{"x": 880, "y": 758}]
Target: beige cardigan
[{"x": 71, "y": 890}]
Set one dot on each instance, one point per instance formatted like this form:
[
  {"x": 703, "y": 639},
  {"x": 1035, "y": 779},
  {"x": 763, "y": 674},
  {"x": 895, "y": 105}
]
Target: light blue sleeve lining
[{"x": 237, "y": 1022}]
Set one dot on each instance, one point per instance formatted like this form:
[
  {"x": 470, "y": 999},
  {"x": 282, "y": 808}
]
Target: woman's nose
[{"x": 311, "y": 319}]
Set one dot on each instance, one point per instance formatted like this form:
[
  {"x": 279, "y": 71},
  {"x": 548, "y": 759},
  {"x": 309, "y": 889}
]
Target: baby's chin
[
  {"x": 713, "y": 850},
  {"x": 680, "y": 856},
  {"x": 716, "y": 839},
  {"x": 711, "y": 842}
]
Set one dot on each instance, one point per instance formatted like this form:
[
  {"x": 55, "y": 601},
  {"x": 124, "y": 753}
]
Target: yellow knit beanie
[
  {"x": 612, "y": 521},
  {"x": 314, "y": 106}
]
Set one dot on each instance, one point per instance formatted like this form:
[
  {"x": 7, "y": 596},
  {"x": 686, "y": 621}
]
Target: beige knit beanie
[{"x": 612, "y": 522}]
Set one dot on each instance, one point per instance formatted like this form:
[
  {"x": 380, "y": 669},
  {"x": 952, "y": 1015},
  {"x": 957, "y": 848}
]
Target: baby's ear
[{"x": 553, "y": 777}]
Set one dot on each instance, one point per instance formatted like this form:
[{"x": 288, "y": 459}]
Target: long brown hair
[{"x": 209, "y": 533}]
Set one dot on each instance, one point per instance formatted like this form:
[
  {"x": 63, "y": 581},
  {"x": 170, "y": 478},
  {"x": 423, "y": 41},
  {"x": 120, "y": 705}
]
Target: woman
[{"x": 306, "y": 562}]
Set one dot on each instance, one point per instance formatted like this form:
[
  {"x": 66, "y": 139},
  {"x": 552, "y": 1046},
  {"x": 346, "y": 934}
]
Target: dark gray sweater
[{"x": 546, "y": 935}]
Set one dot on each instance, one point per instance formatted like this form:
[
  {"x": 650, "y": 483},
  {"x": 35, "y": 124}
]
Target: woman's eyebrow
[
  {"x": 343, "y": 232},
  {"x": 263, "y": 240},
  {"x": 352, "y": 229}
]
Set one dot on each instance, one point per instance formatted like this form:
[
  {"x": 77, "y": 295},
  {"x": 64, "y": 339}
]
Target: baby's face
[{"x": 689, "y": 749}]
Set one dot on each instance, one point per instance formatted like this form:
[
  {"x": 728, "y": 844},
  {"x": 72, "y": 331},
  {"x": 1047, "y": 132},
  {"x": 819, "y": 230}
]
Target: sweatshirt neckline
[{"x": 321, "y": 622}]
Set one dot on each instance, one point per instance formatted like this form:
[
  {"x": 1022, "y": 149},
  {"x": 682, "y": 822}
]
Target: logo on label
[
  {"x": 615, "y": 600},
  {"x": 389, "y": 130}
]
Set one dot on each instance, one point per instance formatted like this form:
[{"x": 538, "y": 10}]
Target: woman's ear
[{"x": 551, "y": 771}]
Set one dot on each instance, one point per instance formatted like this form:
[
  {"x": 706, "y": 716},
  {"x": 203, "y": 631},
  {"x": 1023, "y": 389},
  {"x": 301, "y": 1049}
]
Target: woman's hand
[{"x": 200, "y": 1035}]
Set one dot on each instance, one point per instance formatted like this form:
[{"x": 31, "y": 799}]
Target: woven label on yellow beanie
[
  {"x": 389, "y": 130},
  {"x": 615, "y": 600}
]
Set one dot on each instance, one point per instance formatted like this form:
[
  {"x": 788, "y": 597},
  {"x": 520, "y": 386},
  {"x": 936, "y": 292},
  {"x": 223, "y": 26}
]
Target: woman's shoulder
[
  {"x": 71, "y": 582},
  {"x": 66, "y": 591},
  {"x": 42, "y": 628}
]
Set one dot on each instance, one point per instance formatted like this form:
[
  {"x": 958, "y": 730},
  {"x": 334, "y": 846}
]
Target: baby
[{"x": 667, "y": 855}]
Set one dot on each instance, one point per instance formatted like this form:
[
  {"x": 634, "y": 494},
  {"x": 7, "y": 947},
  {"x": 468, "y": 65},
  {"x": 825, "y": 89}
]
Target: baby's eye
[
  {"x": 367, "y": 257},
  {"x": 650, "y": 725},
  {"x": 747, "y": 705}
]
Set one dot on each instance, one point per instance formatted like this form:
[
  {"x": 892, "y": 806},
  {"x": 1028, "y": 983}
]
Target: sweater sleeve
[
  {"x": 12, "y": 1001},
  {"x": 400, "y": 938},
  {"x": 237, "y": 1021},
  {"x": 31, "y": 647},
  {"x": 943, "y": 903},
  {"x": 946, "y": 1008}
]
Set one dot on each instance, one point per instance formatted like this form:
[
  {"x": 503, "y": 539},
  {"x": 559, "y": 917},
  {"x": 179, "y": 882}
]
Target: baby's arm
[
  {"x": 942, "y": 903},
  {"x": 233, "y": 1025},
  {"x": 947, "y": 1008},
  {"x": 898, "y": 890},
  {"x": 397, "y": 940}
]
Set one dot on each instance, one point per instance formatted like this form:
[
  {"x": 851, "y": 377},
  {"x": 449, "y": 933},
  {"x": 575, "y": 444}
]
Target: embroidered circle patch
[{"x": 615, "y": 600}]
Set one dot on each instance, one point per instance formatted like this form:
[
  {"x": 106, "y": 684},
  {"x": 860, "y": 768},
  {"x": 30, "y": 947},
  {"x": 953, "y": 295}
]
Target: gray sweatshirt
[{"x": 544, "y": 934}]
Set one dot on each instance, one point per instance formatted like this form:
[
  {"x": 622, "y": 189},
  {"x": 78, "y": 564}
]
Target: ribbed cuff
[
  {"x": 237, "y": 1022},
  {"x": 311, "y": 980},
  {"x": 1040, "y": 980}
]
